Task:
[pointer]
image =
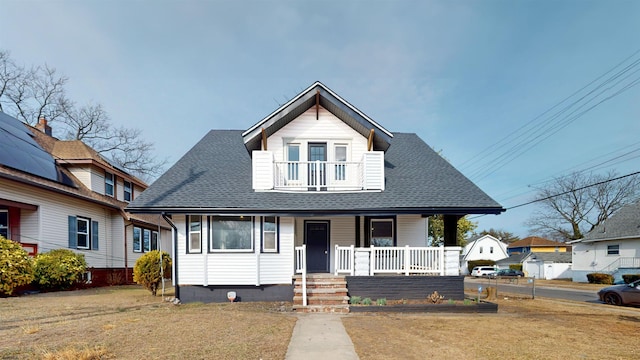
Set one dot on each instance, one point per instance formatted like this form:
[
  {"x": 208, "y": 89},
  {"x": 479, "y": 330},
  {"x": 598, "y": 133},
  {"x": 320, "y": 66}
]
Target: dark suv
[{"x": 507, "y": 272}]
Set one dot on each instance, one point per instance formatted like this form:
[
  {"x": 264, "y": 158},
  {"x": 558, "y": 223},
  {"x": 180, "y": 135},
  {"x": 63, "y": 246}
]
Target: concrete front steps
[{"x": 325, "y": 293}]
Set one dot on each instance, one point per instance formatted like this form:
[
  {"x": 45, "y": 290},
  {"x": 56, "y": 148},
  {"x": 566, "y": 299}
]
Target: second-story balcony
[{"x": 303, "y": 176}]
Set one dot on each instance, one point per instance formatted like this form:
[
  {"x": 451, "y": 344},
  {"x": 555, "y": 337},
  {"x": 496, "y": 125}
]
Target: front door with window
[
  {"x": 316, "y": 235},
  {"x": 317, "y": 171}
]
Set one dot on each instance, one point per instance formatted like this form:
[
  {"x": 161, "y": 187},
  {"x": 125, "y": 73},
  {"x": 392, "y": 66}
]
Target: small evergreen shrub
[
  {"x": 59, "y": 269},
  {"x": 146, "y": 271},
  {"x": 355, "y": 300},
  {"x": 629, "y": 278},
  {"x": 474, "y": 263},
  {"x": 16, "y": 267},
  {"x": 600, "y": 278},
  {"x": 381, "y": 302},
  {"x": 366, "y": 301}
]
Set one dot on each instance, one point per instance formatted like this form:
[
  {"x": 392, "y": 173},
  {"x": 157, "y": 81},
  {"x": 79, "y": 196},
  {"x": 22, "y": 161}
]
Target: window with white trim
[
  {"x": 137, "y": 239},
  {"x": 127, "y": 191},
  {"x": 381, "y": 232},
  {"x": 293, "y": 157},
  {"x": 4, "y": 223},
  {"x": 154, "y": 241},
  {"x": 613, "y": 249},
  {"x": 231, "y": 233},
  {"x": 108, "y": 183},
  {"x": 83, "y": 233},
  {"x": 195, "y": 234},
  {"x": 340, "y": 155},
  {"x": 270, "y": 234}
]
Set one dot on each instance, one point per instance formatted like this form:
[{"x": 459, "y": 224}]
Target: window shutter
[
  {"x": 94, "y": 235},
  {"x": 73, "y": 236}
]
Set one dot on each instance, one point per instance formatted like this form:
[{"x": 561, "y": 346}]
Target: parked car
[
  {"x": 627, "y": 294},
  {"x": 479, "y": 271},
  {"x": 507, "y": 272}
]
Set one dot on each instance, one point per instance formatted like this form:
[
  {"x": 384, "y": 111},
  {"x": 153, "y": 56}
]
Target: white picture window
[
  {"x": 108, "y": 183},
  {"x": 231, "y": 233},
  {"x": 269, "y": 234},
  {"x": 195, "y": 234}
]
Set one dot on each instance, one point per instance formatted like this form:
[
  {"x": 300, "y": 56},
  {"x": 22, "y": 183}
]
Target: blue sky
[{"x": 463, "y": 75}]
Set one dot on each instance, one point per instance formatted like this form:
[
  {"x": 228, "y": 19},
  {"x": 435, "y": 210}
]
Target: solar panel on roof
[{"x": 18, "y": 150}]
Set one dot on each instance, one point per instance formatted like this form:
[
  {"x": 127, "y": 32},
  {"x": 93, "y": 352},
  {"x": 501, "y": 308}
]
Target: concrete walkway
[{"x": 321, "y": 337}]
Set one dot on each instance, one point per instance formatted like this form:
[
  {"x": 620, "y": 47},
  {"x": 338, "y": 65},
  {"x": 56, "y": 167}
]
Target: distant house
[
  {"x": 482, "y": 247},
  {"x": 315, "y": 187},
  {"x": 536, "y": 244},
  {"x": 62, "y": 194},
  {"x": 547, "y": 265},
  {"x": 612, "y": 247}
]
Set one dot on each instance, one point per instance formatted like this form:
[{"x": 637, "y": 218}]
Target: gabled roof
[
  {"x": 473, "y": 242},
  {"x": 513, "y": 259},
  {"x": 624, "y": 224},
  {"x": 534, "y": 241},
  {"x": 214, "y": 177},
  {"x": 319, "y": 94}
]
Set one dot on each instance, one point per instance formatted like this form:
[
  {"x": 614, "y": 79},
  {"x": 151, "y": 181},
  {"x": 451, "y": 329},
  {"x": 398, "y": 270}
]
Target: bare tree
[
  {"x": 572, "y": 206},
  {"x": 502, "y": 235},
  {"x": 29, "y": 94}
]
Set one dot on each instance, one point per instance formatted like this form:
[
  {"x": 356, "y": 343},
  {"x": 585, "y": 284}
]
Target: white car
[{"x": 479, "y": 271}]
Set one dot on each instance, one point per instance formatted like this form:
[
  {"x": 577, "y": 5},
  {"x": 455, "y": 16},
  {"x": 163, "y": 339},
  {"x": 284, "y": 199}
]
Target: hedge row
[{"x": 600, "y": 278}]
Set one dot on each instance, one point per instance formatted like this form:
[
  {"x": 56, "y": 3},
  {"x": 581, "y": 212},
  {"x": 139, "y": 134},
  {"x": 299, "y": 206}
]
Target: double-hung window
[
  {"x": 108, "y": 183},
  {"x": 613, "y": 249},
  {"x": 381, "y": 232},
  {"x": 269, "y": 234},
  {"x": 231, "y": 233},
  {"x": 83, "y": 233},
  {"x": 340, "y": 153},
  {"x": 144, "y": 240},
  {"x": 4, "y": 223},
  {"x": 127, "y": 191},
  {"x": 195, "y": 234}
]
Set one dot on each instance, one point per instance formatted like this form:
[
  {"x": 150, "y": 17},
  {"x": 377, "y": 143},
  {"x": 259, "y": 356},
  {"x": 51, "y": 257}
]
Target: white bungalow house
[
  {"x": 315, "y": 187},
  {"x": 62, "y": 194},
  {"x": 482, "y": 247},
  {"x": 612, "y": 247}
]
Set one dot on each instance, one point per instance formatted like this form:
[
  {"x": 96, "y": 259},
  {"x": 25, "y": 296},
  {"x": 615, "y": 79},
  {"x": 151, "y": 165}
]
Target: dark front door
[
  {"x": 317, "y": 171},
  {"x": 316, "y": 235}
]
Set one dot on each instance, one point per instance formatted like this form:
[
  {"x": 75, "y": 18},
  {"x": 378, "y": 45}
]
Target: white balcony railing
[
  {"x": 270, "y": 174},
  {"x": 318, "y": 175}
]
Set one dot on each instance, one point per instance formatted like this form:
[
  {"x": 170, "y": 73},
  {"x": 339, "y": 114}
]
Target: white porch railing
[
  {"x": 622, "y": 262},
  {"x": 301, "y": 268},
  {"x": 393, "y": 260},
  {"x": 318, "y": 175}
]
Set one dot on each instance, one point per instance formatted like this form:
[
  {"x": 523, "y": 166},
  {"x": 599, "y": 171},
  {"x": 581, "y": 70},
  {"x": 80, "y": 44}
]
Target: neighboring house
[
  {"x": 612, "y": 247},
  {"x": 513, "y": 259},
  {"x": 316, "y": 186},
  {"x": 536, "y": 244},
  {"x": 62, "y": 194},
  {"x": 482, "y": 247},
  {"x": 547, "y": 265}
]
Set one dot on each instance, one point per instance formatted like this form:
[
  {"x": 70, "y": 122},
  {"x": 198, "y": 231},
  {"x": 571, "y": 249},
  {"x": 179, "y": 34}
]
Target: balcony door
[{"x": 317, "y": 172}]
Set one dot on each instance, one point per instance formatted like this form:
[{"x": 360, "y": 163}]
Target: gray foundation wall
[
  {"x": 209, "y": 294},
  {"x": 405, "y": 287}
]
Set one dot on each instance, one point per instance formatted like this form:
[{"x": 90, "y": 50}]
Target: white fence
[
  {"x": 393, "y": 260},
  {"x": 301, "y": 268}
]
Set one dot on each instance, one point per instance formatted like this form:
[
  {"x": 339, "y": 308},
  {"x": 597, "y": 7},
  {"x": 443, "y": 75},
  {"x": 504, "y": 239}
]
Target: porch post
[{"x": 451, "y": 230}]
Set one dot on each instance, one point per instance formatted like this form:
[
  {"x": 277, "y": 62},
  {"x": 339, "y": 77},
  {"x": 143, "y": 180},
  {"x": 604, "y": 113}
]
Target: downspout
[
  {"x": 174, "y": 230},
  {"x": 126, "y": 261}
]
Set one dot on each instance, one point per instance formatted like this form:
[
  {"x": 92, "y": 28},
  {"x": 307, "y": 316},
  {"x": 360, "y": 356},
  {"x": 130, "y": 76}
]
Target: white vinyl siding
[
  {"x": 327, "y": 128},
  {"x": 412, "y": 230}
]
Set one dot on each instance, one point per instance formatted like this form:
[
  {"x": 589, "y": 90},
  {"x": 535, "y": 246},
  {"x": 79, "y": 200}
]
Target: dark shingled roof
[
  {"x": 625, "y": 223},
  {"x": 215, "y": 177}
]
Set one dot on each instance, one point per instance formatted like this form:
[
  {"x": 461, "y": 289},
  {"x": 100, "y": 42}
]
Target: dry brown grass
[
  {"x": 128, "y": 323},
  {"x": 522, "y": 329}
]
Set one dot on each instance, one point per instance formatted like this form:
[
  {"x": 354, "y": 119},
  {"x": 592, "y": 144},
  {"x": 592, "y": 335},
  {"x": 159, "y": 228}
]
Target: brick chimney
[{"x": 42, "y": 126}]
